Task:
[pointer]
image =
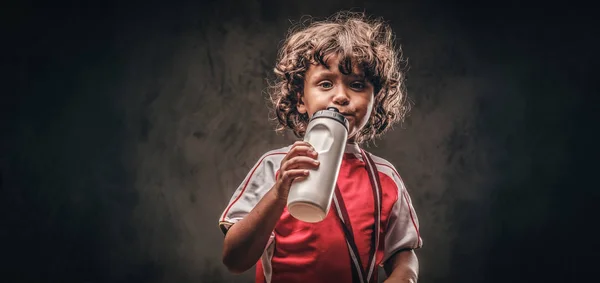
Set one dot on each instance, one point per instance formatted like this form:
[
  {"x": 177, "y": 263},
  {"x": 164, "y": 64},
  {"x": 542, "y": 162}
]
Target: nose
[{"x": 341, "y": 97}]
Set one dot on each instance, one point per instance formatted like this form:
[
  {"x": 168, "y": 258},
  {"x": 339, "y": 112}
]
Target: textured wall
[{"x": 132, "y": 125}]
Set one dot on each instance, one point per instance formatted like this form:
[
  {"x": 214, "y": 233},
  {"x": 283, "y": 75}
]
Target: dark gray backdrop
[{"x": 127, "y": 127}]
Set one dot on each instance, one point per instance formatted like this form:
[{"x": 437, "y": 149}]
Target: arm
[
  {"x": 402, "y": 238},
  {"x": 403, "y": 267},
  {"x": 245, "y": 241}
]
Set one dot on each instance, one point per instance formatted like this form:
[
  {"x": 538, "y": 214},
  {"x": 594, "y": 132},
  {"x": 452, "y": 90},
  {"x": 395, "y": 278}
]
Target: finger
[
  {"x": 301, "y": 162},
  {"x": 289, "y": 175},
  {"x": 299, "y": 148},
  {"x": 302, "y": 150},
  {"x": 299, "y": 179},
  {"x": 300, "y": 143}
]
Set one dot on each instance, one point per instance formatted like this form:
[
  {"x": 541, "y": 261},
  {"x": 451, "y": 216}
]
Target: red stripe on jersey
[{"x": 246, "y": 183}]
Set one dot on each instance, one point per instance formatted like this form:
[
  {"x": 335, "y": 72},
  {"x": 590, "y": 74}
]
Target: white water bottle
[{"x": 309, "y": 199}]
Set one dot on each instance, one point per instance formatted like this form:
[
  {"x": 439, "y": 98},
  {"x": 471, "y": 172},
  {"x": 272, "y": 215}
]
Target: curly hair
[{"x": 357, "y": 39}]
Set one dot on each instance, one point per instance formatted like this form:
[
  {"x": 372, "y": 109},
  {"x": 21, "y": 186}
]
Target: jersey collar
[{"x": 354, "y": 149}]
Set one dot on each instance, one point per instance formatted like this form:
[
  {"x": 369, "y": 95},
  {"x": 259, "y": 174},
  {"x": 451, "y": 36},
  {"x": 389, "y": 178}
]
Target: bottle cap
[{"x": 332, "y": 113}]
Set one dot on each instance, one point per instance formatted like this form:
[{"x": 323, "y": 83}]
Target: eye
[
  {"x": 326, "y": 84},
  {"x": 357, "y": 85}
]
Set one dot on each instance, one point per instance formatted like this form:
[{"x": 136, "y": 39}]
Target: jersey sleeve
[
  {"x": 403, "y": 227},
  {"x": 255, "y": 185}
]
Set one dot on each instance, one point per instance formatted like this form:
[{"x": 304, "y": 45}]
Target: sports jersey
[{"x": 372, "y": 209}]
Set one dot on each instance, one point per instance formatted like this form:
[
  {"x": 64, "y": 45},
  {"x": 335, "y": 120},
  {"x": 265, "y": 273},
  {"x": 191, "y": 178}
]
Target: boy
[{"x": 348, "y": 62}]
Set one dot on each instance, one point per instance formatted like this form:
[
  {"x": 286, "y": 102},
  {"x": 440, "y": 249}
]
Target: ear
[{"x": 300, "y": 105}]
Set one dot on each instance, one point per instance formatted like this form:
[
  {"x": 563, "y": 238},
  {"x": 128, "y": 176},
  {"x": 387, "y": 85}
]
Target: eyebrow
[
  {"x": 357, "y": 76},
  {"x": 324, "y": 74}
]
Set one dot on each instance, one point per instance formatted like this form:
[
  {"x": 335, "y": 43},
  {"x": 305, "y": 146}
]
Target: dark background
[{"x": 127, "y": 125}]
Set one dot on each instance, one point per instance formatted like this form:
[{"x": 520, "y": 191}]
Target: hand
[{"x": 302, "y": 156}]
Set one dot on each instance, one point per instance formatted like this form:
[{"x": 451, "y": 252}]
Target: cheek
[
  {"x": 369, "y": 102},
  {"x": 370, "y": 105},
  {"x": 367, "y": 111}
]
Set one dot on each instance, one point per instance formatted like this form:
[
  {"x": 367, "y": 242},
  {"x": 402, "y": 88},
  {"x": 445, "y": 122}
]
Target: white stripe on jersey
[{"x": 403, "y": 225}]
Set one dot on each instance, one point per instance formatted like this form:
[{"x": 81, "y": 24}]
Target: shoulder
[
  {"x": 275, "y": 154},
  {"x": 387, "y": 169},
  {"x": 272, "y": 158}
]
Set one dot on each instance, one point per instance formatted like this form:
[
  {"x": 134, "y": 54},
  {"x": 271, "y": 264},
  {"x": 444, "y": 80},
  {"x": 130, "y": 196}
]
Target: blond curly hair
[{"x": 357, "y": 39}]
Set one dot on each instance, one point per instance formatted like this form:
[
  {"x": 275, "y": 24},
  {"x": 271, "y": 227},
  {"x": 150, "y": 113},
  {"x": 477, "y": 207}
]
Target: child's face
[{"x": 351, "y": 94}]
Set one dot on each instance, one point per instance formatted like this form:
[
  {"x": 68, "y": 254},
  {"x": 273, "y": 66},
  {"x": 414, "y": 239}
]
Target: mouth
[{"x": 348, "y": 116}]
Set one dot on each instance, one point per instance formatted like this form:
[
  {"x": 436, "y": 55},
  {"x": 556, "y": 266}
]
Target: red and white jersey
[{"x": 318, "y": 252}]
